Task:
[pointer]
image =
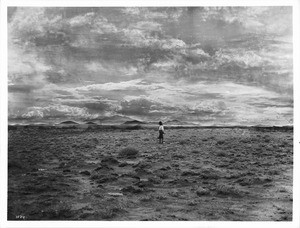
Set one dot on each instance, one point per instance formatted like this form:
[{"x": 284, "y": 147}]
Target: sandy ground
[{"x": 197, "y": 174}]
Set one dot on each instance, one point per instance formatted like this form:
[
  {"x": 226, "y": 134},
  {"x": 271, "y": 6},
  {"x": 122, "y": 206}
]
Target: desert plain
[{"x": 117, "y": 174}]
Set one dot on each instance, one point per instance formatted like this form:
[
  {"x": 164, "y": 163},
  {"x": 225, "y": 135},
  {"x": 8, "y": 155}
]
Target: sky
[{"x": 201, "y": 65}]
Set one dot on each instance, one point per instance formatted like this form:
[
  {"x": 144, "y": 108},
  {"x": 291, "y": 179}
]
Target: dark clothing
[{"x": 161, "y": 134}]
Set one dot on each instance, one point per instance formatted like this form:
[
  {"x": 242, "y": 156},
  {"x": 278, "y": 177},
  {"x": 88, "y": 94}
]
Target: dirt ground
[{"x": 117, "y": 174}]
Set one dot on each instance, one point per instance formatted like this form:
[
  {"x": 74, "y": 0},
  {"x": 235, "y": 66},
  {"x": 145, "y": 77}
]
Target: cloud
[
  {"x": 169, "y": 14},
  {"x": 94, "y": 105},
  {"x": 148, "y": 26},
  {"x": 21, "y": 88},
  {"x": 145, "y": 108},
  {"x": 102, "y": 26},
  {"x": 199, "y": 52},
  {"x": 136, "y": 84},
  {"x": 136, "y": 107},
  {"x": 139, "y": 37},
  {"x": 82, "y": 20},
  {"x": 26, "y": 71},
  {"x": 169, "y": 61},
  {"x": 131, "y": 10},
  {"x": 168, "y": 65},
  {"x": 241, "y": 56},
  {"x": 145, "y": 13},
  {"x": 253, "y": 19},
  {"x": 57, "y": 111},
  {"x": 56, "y": 76},
  {"x": 31, "y": 22},
  {"x": 95, "y": 67},
  {"x": 21, "y": 61},
  {"x": 197, "y": 102},
  {"x": 173, "y": 44},
  {"x": 143, "y": 38},
  {"x": 208, "y": 107},
  {"x": 111, "y": 69}
]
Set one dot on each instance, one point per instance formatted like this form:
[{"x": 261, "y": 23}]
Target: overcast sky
[{"x": 208, "y": 65}]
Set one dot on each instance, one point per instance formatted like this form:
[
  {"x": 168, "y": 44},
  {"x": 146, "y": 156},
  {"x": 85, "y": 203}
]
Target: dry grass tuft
[
  {"x": 229, "y": 190},
  {"x": 128, "y": 152}
]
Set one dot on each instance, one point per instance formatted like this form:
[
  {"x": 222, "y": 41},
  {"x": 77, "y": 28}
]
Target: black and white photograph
[{"x": 150, "y": 113}]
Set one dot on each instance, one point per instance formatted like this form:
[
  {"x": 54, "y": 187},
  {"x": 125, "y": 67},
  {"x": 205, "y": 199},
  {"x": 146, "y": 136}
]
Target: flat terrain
[{"x": 197, "y": 174}]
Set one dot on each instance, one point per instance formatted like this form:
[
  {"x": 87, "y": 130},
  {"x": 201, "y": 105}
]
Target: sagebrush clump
[{"x": 128, "y": 152}]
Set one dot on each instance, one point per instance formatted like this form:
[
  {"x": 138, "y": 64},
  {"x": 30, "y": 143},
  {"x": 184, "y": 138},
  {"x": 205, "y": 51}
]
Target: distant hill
[
  {"x": 134, "y": 122},
  {"x": 90, "y": 122},
  {"x": 69, "y": 122},
  {"x": 116, "y": 119}
]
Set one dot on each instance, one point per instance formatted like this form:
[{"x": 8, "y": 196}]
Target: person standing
[{"x": 161, "y": 132}]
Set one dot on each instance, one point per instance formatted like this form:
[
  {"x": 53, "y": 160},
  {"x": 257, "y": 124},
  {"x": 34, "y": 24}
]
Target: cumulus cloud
[
  {"x": 255, "y": 19},
  {"x": 199, "y": 52},
  {"x": 131, "y": 10},
  {"x": 102, "y": 26},
  {"x": 136, "y": 107},
  {"x": 148, "y": 13},
  {"x": 82, "y": 20},
  {"x": 58, "y": 111},
  {"x": 173, "y": 44},
  {"x": 136, "y": 84},
  {"x": 148, "y": 26},
  {"x": 140, "y": 38},
  {"x": 28, "y": 23},
  {"x": 240, "y": 56}
]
